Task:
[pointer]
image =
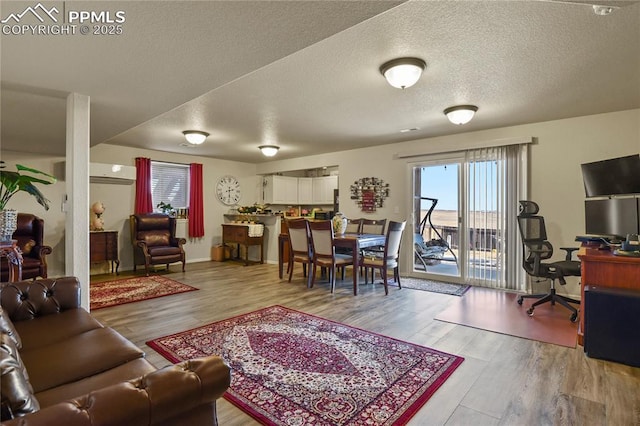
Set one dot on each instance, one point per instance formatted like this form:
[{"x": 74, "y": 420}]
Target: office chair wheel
[
  {"x": 520, "y": 300},
  {"x": 574, "y": 317},
  {"x": 530, "y": 312}
]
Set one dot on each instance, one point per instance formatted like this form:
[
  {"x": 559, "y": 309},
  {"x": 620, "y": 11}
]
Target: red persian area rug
[
  {"x": 118, "y": 292},
  {"x": 292, "y": 368}
]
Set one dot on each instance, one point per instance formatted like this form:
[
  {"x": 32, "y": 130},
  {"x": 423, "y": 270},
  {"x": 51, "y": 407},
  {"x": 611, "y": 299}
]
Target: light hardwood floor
[{"x": 503, "y": 380}]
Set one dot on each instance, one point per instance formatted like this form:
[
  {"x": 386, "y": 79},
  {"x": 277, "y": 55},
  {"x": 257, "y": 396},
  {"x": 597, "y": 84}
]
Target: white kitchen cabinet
[
  {"x": 323, "y": 189},
  {"x": 281, "y": 190},
  {"x": 305, "y": 190}
]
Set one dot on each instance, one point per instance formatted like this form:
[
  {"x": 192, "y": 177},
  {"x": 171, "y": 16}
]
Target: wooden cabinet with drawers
[
  {"x": 239, "y": 234},
  {"x": 103, "y": 246}
]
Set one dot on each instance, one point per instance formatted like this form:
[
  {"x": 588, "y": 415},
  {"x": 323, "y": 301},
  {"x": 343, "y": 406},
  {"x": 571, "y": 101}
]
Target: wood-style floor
[{"x": 503, "y": 380}]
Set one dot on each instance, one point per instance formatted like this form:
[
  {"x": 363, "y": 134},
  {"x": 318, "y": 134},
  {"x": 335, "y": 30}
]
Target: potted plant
[
  {"x": 166, "y": 208},
  {"x": 14, "y": 182}
]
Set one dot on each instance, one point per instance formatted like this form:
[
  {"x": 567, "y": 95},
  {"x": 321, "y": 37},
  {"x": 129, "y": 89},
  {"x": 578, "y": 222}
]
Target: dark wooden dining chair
[
  {"x": 300, "y": 245},
  {"x": 373, "y": 226},
  {"x": 389, "y": 257},
  {"x": 353, "y": 226},
  {"x": 324, "y": 253}
]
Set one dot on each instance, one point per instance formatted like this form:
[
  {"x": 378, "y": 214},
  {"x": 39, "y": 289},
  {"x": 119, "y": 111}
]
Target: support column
[{"x": 77, "y": 189}]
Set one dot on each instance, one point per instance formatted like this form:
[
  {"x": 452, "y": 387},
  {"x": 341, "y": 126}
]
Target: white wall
[
  {"x": 119, "y": 200},
  {"x": 555, "y": 181},
  {"x": 54, "y": 218},
  {"x": 555, "y": 175}
]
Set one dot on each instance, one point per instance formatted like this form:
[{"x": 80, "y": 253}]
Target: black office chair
[{"x": 536, "y": 248}]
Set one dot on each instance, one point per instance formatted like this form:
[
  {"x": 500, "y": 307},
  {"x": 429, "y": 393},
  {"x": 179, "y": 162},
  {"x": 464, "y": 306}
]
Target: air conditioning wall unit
[{"x": 112, "y": 173}]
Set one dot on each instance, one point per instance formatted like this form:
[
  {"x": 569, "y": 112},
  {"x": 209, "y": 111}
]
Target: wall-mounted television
[{"x": 615, "y": 176}]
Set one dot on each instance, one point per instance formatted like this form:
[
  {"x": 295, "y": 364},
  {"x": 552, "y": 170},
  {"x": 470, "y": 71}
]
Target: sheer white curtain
[{"x": 495, "y": 181}]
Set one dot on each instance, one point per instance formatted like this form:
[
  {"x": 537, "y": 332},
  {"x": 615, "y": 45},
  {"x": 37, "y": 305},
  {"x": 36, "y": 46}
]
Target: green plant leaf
[{"x": 13, "y": 182}]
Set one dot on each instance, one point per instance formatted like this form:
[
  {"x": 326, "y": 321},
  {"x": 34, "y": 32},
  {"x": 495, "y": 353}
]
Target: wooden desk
[
  {"x": 239, "y": 234},
  {"x": 603, "y": 268},
  {"x": 103, "y": 246},
  {"x": 11, "y": 251},
  {"x": 355, "y": 242}
]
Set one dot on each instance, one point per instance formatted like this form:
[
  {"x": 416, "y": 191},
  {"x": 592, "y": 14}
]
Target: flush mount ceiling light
[
  {"x": 403, "y": 72},
  {"x": 603, "y": 10},
  {"x": 195, "y": 137},
  {"x": 460, "y": 114},
  {"x": 269, "y": 150}
]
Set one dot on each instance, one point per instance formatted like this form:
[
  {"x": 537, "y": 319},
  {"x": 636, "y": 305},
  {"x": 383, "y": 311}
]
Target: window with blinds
[{"x": 170, "y": 184}]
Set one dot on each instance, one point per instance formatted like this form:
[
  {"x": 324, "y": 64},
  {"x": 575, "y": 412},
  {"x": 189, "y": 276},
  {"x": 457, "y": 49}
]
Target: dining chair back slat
[
  {"x": 322, "y": 237},
  {"x": 353, "y": 226},
  {"x": 390, "y": 255},
  {"x": 324, "y": 254},
  {"x": 373, "y": 226},
  {"x": 300, "y": 244}
]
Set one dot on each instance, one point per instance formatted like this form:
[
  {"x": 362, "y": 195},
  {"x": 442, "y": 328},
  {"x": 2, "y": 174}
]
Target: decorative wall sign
[{"x": 369, "y": 193}]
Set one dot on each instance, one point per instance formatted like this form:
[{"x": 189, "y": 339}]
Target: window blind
[{"x": 170, "y": 184}]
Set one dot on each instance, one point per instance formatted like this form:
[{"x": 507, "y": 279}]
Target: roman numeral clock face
[{"x": 228, "y": 190}]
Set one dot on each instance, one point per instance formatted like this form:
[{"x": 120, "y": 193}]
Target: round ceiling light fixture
[
  {"x": 460, "y": 114},
  {"x": 269, "y": 150},
  {"x": 195, "y": 137},
  {"x": 603, "y": 10},
  {"x": 403, "y": 72}
]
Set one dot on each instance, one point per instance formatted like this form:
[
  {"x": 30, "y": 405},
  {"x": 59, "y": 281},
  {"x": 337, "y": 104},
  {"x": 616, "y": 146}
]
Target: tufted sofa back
[{"x": 26, "y": 300}]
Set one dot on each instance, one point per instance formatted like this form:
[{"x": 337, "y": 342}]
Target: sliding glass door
[
  {"x": 437, "y": 219},
  {"x": 464, "y": 217}
]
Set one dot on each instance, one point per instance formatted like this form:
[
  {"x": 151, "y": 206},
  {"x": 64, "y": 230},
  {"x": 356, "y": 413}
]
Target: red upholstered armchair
[
  {"x": 154, "y": 240},
  {"x": 30, "y": 236}
]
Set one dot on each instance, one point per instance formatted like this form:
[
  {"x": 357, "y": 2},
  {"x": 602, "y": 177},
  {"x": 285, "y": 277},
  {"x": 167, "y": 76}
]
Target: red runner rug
[
  {"x": 118, "y": 292},
  {"x": 290, "y": 368}
]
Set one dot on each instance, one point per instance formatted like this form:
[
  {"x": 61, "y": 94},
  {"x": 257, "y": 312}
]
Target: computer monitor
[{"x": 615, "y": 216}]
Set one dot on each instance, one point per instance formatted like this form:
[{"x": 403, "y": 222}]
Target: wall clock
[{"x": 228, "y": 190}]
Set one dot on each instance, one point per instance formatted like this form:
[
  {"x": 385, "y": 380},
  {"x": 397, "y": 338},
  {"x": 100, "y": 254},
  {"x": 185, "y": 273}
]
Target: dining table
[{"x": 355, "y": 242}]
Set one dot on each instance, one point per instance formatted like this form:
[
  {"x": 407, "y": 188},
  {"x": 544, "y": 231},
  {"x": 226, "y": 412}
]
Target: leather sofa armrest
[
  {"x": 142, "y": 245},
  {"x": 26, "y": 300},
  {"x": 41, "y": 251},
  {"x": 172, "y": 391},
  {"x": 178, "y": 241}
]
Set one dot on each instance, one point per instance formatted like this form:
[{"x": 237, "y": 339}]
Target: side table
[
  {"x": 239, "y": 234},
  {"x": 104, "y": 247}
]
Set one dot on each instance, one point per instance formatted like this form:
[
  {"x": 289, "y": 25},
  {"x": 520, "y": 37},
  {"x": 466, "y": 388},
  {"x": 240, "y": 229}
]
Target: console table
[
  {"x": 104, "y": 247},
  {"x": 604, "y": 269},
  {"x": 238, "y": 233}
]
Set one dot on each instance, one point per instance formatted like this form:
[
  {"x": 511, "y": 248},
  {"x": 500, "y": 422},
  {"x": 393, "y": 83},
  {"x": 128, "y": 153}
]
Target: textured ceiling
[{"x": 304, "y": 75}]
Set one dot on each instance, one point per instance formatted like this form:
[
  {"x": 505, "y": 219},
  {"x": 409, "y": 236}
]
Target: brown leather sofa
[
  {"x": 30, "y": 236},
  {"x": 153, "y": 236},
  {"x": 62, "y": 367}
]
